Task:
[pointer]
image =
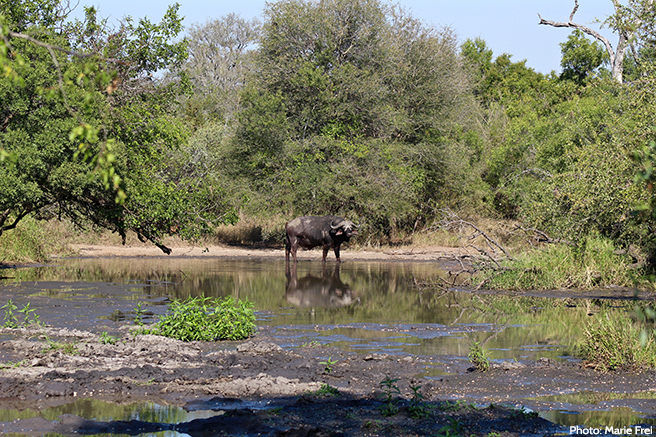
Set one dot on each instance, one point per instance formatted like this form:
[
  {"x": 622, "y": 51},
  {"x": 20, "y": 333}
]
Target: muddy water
[{"x": 361, "y": 307}]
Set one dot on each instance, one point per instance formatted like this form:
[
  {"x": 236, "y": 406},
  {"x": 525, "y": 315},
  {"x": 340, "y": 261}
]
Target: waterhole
[{"x": 362, "y": 307}]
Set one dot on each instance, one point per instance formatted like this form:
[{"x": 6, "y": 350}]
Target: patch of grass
[
  {"x": 478, "y": 356},
  {"x": 592, "y": 263},
  {"x": 455, "y": 406},
  {"x": 65, "y": 348},
  {"x": 326, "y": 390},
  {"x": 10, "y": 365},
  {"x": 613, "y": 341},
  {"x": 206, "y": 319}
]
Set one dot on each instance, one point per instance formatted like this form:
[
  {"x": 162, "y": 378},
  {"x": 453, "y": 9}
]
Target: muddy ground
[{"x": 258, "y": 388}]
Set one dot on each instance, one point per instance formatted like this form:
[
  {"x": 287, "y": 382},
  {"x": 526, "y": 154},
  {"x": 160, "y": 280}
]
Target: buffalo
[{"x": 308, "y": 232}]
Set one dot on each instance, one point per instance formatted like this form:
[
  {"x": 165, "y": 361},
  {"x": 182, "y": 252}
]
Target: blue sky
[{"x": 508, "y": 26}]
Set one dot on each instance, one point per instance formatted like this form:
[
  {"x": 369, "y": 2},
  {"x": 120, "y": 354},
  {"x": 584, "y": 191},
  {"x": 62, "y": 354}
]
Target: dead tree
[{"x": 616, "y": 56}]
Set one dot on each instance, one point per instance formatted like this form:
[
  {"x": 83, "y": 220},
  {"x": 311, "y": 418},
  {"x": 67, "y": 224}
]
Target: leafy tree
[
  {"x": 83, "y": 112},
  {"x": 357, "y": 108},
  {"x": 581, "y": 57}
]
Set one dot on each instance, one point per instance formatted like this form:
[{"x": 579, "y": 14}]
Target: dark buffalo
[{"x": 308, "y": 232}]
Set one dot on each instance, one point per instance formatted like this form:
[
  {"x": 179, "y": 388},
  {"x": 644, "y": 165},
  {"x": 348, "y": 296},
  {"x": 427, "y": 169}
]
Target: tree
[
  {"x": 218, "y": 64},
  {"x": 581, "y": 57},
  {"x": 83, "y": 112},
  {"x": 357, "y": 108},
  {"x": 619, "y": 22}
]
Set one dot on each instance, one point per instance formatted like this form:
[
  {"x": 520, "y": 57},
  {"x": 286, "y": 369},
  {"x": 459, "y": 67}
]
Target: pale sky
[{"x": 508, "y": 26}]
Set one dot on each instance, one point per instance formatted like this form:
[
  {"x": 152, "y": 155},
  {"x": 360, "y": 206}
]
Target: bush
[{"x": 207, "y": 319}]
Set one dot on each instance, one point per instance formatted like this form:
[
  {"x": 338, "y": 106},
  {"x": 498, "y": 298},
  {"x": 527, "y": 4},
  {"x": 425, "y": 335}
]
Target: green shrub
[
  {"x": 612, "y": 341},
  {"x": 207, "y": 319}
]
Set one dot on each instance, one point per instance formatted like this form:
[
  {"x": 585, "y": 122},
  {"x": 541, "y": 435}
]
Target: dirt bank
[{"x": 410, "y": 253}]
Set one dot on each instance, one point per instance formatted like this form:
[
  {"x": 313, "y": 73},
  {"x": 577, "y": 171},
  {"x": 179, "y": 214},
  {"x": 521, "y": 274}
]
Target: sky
[{"x": 507, "y": 26}]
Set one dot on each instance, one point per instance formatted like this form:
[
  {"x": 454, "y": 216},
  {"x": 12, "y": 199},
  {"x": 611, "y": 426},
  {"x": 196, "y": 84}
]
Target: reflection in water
[{"x": 321, "y": 292}]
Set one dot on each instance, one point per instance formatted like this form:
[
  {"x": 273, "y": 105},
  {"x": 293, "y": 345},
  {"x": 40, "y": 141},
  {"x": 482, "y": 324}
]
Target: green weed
[
  {"x": 592, "y": 263},
  {"x": 390, "y": 390},
  {"x": 328, "y": 365},
  {"x": 453, "y": 429},
  {"x": 12, "y": 320},
  {"x": 479, "y": 357},
  {"x": 326, "y": 390},
  {"x": 105, "y": 338},
  {"x": 65, "y": 348},
  {"x": 455, "y": 406},
  {"x": 206, "y": 319},
  {"x": 417, "y": 408}
]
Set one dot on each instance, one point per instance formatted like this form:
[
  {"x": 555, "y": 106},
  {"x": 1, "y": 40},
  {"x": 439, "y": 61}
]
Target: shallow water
[{"x": 361, "y": 307}]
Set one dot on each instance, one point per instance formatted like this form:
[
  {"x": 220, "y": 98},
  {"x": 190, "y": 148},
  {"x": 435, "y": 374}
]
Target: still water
[{"x": 362, "y": 307}]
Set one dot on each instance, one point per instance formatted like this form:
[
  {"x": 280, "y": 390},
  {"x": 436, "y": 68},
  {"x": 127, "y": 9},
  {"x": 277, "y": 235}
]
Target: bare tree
[{"x": 625, "y": 34}]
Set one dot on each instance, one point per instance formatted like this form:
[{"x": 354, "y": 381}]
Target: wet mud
[{"x": 38, "y": 373}]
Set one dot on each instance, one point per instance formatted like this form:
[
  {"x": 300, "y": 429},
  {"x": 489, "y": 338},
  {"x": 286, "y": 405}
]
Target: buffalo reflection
[{"x": 312, "y": 291}]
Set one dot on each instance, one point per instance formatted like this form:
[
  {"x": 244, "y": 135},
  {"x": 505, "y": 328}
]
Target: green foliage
[
  {"x": 326, "y": 390},
  {"x": 453, "y": 429},
  {"x": 389, "y": 396},
  {"x": 417, "y": 407},
  {"x": 592, "y": 263},
  {"x": 105, "y": 338},
  {"x": 13, "y": 321},
  {"x": 65, "y": 348},
  {"x": 357, "y": 109},
  {"x": 581, "y": 57},
  {"x": 328, "y": 365},
  {"x": 478, "y": 356},
  {"x": 89, "y": 133},
  {"x": 612, "y": 341},
  {"x": 207, "y": 319}
]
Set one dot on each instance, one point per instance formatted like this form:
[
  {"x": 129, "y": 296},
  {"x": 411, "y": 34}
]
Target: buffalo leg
[
  {"x": 337, "y": 254},
  {"x": 326, "y": 248}
]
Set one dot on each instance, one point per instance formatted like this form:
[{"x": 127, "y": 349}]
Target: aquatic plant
[
  {"x": 478, "y": 356},
  {"x": 206, "y": 319}
]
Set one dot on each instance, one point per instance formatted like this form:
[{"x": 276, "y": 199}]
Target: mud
[{"x": 38, "y": 372}]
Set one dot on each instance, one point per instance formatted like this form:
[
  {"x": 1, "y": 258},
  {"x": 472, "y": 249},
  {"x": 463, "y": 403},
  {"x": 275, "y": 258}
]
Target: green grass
[
  {"x": 613, "y": 341},
  {"x": 593, "y": 263},
  {"x": 206, "y": 319}
]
